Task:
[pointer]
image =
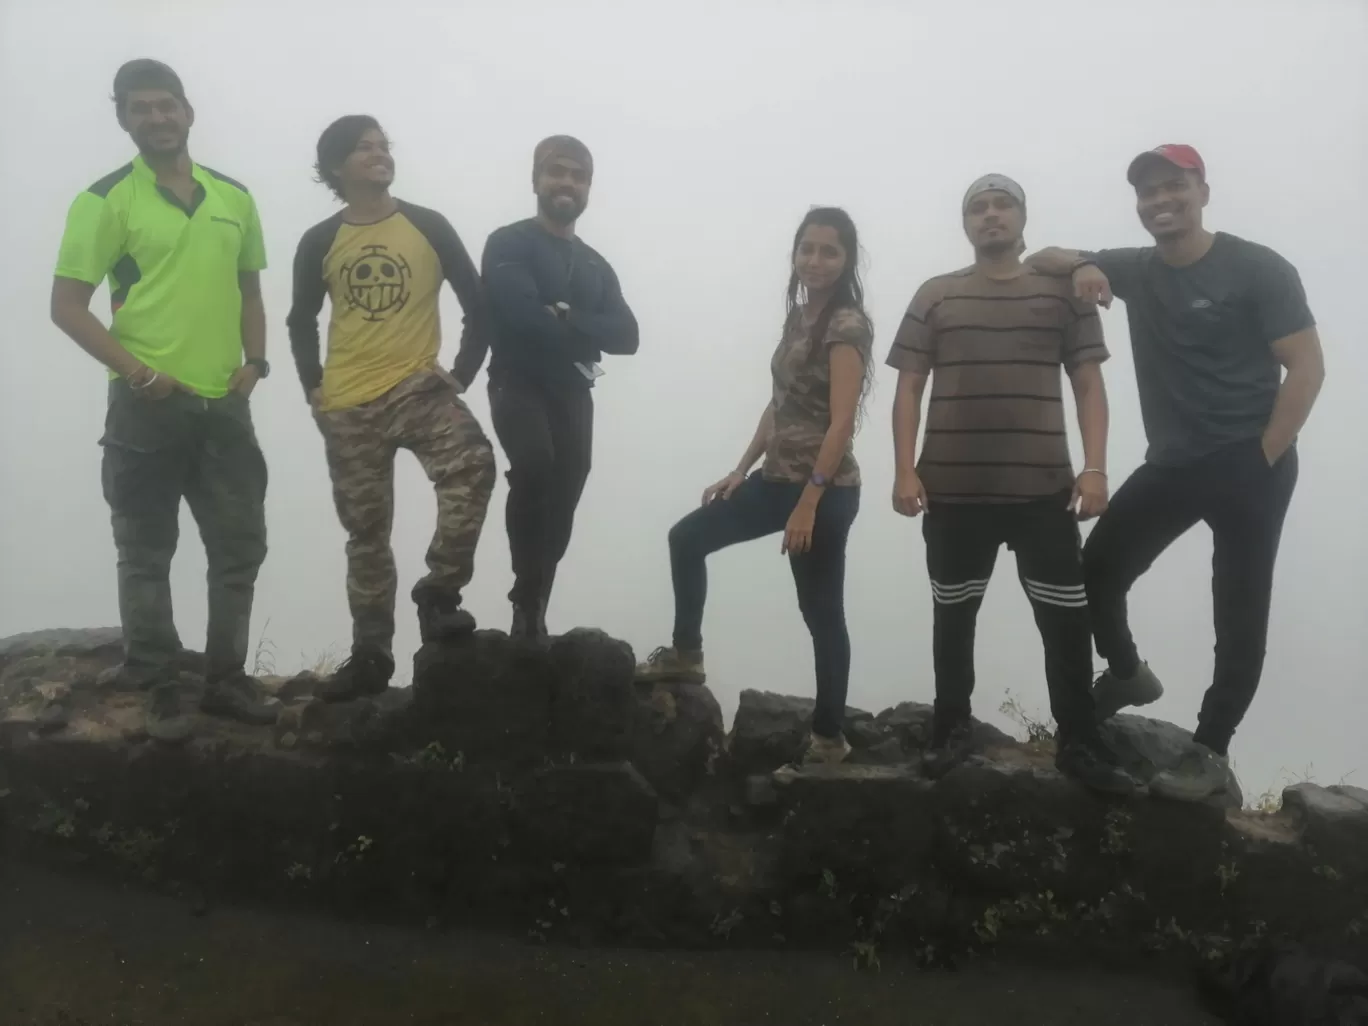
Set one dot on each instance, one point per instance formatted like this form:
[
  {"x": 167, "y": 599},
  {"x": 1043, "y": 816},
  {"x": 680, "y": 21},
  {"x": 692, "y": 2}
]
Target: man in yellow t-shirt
[
  {"x": 181, "y": 248},
  {"x": 381, "y": 262}
]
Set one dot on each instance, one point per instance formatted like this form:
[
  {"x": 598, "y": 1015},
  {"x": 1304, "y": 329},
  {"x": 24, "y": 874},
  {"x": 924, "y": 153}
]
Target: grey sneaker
[
  {"x": 1111, "y": 693},
  {"x": 168, "y": 720},
  {"x": 1200, "y": 774},
  {"x": 668, "y": 663},
  {"x": 827, "y": 751},
  {"x": 240, "y": 698}
]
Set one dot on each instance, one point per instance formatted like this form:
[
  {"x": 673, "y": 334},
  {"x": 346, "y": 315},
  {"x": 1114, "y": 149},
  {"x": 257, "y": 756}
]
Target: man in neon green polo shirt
[{"x": 181, "y": 248}]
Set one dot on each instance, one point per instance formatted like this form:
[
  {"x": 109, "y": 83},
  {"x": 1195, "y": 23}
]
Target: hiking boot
[
  {"x": 1200, "y": 773},
  {"x": 529, "y": 624},
  {"x": 1090, "y": 762},
  {"x": 826, "y": 751},
  {"x": 366, "y": 672},
  {"x": 168, "y": 719},
  {"x": 1112, "y": 693},
  {"x": 950, "y": 746},
  {"x": 443, "y": 618},
  {"x": 668, "y": 663},
  {"x": 240, "y": 697}
]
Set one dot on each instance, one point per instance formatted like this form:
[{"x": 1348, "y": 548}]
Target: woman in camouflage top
[{"x": 809, "y": 484}]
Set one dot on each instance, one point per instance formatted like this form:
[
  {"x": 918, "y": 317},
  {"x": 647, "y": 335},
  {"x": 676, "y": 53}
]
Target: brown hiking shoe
[{"x": 669, "y": 664}]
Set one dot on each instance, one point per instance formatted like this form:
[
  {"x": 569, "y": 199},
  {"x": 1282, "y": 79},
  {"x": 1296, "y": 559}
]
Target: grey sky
[{"x": 713, "y": 131}]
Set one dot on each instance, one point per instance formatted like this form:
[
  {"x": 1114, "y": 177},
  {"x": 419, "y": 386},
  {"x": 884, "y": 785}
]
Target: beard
[
  {"x": 148, "y": 148},
  {"x": 560, "y": 212},
  {"x": 999, "y": 246}
]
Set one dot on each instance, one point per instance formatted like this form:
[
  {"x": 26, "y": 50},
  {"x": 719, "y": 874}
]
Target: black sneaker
[
  {"x": 950, "y": 746},
  {"x": 240, "y": 697},
  {"x": 1092, "y": 764},
  {"x": 529, "y": 624},
  {"x": 443, "y": 618},
  {"x": 366, "y": 672}
]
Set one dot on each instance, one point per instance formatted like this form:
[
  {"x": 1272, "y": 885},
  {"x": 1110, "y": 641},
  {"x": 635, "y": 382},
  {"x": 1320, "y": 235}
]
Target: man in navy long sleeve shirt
[{"x": 556, "y": 307}]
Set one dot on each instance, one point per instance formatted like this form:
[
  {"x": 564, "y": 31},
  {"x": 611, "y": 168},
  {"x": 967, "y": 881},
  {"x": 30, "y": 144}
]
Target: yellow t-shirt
[{"x": 383, "y": 281}]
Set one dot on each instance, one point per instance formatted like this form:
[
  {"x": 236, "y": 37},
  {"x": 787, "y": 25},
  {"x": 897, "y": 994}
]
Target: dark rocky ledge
[{"x": 546, "y": 793}]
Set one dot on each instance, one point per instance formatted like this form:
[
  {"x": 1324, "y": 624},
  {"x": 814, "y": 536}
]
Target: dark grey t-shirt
[{"x": 1200, "y": 338}]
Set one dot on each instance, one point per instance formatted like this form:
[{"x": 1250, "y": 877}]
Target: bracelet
[
  {"x": 145, "y": 384},
  {"x": 1092, "y": 470}
]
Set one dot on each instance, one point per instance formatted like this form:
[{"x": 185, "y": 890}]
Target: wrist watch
[
  {"x": 263, "y": 368},
  {"x": 818, "y": 480}
]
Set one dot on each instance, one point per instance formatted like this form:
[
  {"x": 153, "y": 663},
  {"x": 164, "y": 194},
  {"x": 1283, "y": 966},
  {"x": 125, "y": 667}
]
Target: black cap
[{"x": 145, "y": 73}]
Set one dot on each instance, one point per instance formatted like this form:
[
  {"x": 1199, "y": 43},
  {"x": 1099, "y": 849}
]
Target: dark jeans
[
  {"x": 756, "y": 509},
  {"x": 548, "y": 436},
  {"x": 156, "y": 452},
  {"x": 1244, "y": 501},
  {"x": 962, "y": 542}
]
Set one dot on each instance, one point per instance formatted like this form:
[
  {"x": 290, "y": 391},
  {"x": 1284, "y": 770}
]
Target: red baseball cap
[{"x": 1177, "y": 154}]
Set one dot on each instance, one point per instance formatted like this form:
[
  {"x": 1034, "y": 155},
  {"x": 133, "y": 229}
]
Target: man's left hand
[
  {"x": 1090, "y": 496},
  {"x": 244, "y": 379}
]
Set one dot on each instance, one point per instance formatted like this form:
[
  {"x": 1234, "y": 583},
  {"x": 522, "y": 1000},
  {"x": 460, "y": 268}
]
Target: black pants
[
  {"x": 962, "y": 541},
  {"x": 756, "y": 509},
  {"x": 548, "y": 436},
  {"x": 157, "y": 452},
  {"x": 1244, "y": 501}
]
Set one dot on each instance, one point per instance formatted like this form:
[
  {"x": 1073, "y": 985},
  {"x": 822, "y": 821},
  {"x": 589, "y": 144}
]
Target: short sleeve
[
  {"x": 851, "y": 328},
  {"x": 1083, "y": 338},
  {"x": 914, "y": 345},
  {"x": 1279, "y": 297},
  {"x": 92, "y": 241},
  {"x": 252, "y": 256},
  {"x": 1124, "y": 268}
]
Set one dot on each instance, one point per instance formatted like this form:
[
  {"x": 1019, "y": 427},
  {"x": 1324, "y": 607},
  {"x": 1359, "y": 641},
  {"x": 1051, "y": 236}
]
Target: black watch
[{"x": 263, "y": 368}]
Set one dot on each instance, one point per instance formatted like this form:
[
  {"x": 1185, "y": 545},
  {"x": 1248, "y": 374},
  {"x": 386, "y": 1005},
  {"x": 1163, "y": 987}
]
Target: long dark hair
[{"x": 847, "y": 293}]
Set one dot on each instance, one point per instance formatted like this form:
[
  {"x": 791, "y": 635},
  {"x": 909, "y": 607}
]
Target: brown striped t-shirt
[{"x": 995, "y": 419}]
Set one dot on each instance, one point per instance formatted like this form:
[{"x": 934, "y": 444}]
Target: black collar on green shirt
[{"x": 196, "y": 199}]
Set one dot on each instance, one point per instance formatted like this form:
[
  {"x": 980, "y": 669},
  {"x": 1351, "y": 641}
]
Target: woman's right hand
[{"x": 724, "y": 488}]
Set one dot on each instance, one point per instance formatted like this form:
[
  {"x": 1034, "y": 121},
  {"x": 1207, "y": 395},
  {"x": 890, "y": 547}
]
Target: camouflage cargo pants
[
  {"x": 156, "y": 452},
  {"x": 423, "y": 414}
]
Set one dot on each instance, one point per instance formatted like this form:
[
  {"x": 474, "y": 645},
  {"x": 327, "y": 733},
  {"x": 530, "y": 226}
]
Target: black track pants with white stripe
[{"x": 962, "y": 542}]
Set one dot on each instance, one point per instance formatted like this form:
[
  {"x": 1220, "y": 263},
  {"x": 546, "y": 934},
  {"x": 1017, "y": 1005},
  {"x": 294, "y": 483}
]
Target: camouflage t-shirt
[{"x": 802, "y": 397}]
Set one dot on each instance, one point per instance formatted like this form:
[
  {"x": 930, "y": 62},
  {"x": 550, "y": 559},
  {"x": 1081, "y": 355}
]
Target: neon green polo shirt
[{"x": 172, "y": 269}]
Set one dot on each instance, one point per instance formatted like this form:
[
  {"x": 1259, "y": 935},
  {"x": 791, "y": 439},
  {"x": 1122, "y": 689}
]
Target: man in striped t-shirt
[{"x": 995, "y": 467}]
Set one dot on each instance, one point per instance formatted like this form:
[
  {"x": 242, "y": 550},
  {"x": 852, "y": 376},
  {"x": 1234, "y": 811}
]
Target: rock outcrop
[{"x": 543, "y": 790}]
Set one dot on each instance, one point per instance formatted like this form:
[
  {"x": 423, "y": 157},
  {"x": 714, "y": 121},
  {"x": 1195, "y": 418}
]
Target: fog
[{"x": 713, "y": 129}]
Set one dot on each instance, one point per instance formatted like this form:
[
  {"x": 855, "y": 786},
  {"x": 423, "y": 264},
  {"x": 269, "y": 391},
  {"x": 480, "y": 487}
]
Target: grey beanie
[{"x": 994, "y": 183}]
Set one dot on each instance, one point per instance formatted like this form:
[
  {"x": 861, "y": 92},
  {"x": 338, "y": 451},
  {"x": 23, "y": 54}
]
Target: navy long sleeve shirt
[{"x": 527, "y": 269}]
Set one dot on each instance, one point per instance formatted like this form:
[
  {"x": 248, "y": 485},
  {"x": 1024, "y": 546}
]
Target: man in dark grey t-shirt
[{"x": 1215, "y": 321}]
